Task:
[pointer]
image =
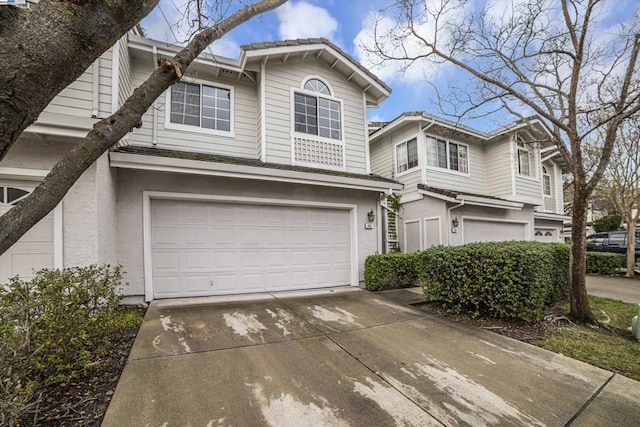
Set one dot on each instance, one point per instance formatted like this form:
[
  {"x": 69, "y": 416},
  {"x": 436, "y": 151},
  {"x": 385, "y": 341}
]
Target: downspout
[
  {"x": 154, "y": 125},
  {"x": 459, "y": 205}
]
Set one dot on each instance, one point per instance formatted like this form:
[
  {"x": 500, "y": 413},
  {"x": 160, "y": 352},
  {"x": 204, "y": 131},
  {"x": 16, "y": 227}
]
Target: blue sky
[{"x": 346, "y": 23}]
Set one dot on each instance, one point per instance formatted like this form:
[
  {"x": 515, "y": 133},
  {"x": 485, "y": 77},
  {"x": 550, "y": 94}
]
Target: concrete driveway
[{"x": 351, "y": 359}]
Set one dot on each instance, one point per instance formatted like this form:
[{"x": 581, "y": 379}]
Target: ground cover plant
[{"x": 60, "y": 329}]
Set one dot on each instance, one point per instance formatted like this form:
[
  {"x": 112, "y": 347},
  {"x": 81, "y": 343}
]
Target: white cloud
[
  {"x": 225, "y": 47},
  {"x": 304, "y": 20}
]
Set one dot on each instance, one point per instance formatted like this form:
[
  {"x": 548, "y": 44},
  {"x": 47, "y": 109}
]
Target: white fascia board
[
  {"x": 437, "y": 196},
  {"x": 23, "y": 174},
  {"x": 430, "y": 121},
  {"x": 196, "y": 167},
  {"x": 550, "y": 156},
  {"x": 551, "y": 216},
  {"x": 146, "y": 45},
  {"x": 388, "y": 128},
  {"x": 487, "y": 202},
  {"x": 280, "y": 50}
]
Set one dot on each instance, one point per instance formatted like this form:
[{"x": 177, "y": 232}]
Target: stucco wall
[
  {"x": 89, "y": 216},
  {"x": 131, "y": 184}
]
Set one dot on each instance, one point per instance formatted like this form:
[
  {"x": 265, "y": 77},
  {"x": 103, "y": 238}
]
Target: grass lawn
[{"x": 612, "y": 347}]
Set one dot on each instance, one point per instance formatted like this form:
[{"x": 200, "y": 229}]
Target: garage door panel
[
  {"x": 197, "y": 285},
  {"x": 193, "y": 261},
  {"x": 492, "y": 231},
  {"x": 164, "y": 211},
  {"x": 166, "y": 286},
  {"x": 247, "y": 248}
]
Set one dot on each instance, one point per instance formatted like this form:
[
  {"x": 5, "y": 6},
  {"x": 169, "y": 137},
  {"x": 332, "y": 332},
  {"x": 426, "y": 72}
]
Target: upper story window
[
  {"x": 11, "y": 195},
  {"x": 200, "y": 105},
  {"x": 546, "y": 181},
  {"x": 524, "y": 158},
  {"x": 316, "y": 112},
  {"x": 406, "y": 155},
  {"x": 447, "y": 155}
]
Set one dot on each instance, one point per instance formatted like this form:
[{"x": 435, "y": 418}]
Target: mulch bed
[
  {"x": 84, "y": 400},
  {"x": 554, "y": 316}
]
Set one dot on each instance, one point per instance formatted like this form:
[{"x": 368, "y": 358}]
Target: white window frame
[
  {"x": 546, "y": 177},
  {"x": 198, "y": 129},
  {"x": 448, "y": 168},
  {"x": 331, "y": 97},
  {"x": 395, "y": 155},
  {"x": 521, "y": 147}
]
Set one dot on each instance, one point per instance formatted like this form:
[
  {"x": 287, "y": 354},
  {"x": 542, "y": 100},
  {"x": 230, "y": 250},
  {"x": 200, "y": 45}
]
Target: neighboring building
[
  {"x": 462, "y": 185},
  {"x": 250, "y": 175}
]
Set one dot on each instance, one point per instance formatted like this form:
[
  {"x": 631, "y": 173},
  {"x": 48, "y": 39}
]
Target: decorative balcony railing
[{"x": 318, "y": 153}]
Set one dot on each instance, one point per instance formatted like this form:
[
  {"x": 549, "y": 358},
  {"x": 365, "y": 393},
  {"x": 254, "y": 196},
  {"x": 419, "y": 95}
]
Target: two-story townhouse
[
  {"x": 462, "y": 185},
  {"x": 249, "y": 175}
]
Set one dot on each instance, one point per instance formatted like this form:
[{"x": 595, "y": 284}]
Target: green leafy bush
[
  {"x": 604, "y": 263},
  {"x": 388, "y": 271},
  {"x": 607, "y": 223},
  {"x": 503, "y": 279},
  {"x": 53, "y": 327}
]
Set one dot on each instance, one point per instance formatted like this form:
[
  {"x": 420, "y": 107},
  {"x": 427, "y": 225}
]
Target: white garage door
[
  {"x": 201, "y": 249},
  {"x": 545, "y": 235},
  {"x": 492, "y": 231},
  {"x": 34, "y": 250}
]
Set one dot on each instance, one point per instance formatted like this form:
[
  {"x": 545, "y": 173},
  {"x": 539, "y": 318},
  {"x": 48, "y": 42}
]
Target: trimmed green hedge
[
  {"x": 501, "y": 279},
  {"x": 605, "y": 263},
  {"x": 389, "y": 271}
]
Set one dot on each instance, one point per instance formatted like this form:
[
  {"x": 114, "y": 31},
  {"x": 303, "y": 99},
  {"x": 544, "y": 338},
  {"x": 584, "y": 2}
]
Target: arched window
[
  {"x": 315, "y": 112},
  {"x": 11, "y": 195},
  {"x": 546, "y": 182},
  {"x": 315, "y": 85}
]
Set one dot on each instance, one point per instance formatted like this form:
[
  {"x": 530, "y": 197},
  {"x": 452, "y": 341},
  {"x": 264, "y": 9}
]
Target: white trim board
[
  {"x": 148, "y": 196},
  {"x": 196, "y": 167}
]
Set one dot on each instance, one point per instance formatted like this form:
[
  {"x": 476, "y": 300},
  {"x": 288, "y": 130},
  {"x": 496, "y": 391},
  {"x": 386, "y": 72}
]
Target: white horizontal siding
[
  {"x": 498, "y": 169},
  {"x": 77, "y": 98},
  {"x": 451, "y": 180},
  {"x": 382, "y": 158},
  {"x": 244, "y": 116},
  {"x": 124, "y": 77},
  {"x": 280, "y": 78}
]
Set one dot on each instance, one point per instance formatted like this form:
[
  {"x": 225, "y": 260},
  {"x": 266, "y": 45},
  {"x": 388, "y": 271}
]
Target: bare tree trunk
[
  {"x": 631, "y": 248},
  {"x": 48, "y": 46},
  {"x": 580, "y": 310}
]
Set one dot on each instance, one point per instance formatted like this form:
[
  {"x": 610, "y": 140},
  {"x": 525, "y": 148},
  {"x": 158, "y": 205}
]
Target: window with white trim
[
  {"x": 201, "y": 105},
  {"x": 406, "y": 155},
  {"x": 524, "y": 159},
  {"x": 11, "y": 195},
  {"x": 315, "y": 114},
  {"x": 447, "y": 155},
  {"x": 546, "y": 181}
]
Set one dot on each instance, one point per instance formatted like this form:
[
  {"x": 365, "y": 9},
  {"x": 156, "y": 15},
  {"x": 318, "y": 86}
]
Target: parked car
[{"x": 612, "y": 241}]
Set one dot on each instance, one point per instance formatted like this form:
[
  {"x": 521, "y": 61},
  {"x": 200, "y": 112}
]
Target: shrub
[
  {"x": 51, "y": 328},
  {"x": 605, "y": 263},
  {"x": 503, "y": 280},
  {"x": 607, "y": 223},
  {"x": 388, "y": 271}
]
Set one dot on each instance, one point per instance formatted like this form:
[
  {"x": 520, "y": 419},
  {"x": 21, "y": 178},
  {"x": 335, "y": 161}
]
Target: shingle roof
[
  {"x": 454, "y": 194},
  {"x": 158, "y": 152},
  {"x": 311, "y": 41}
]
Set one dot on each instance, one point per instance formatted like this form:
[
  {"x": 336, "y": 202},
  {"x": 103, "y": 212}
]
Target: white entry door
[
  {"x": 492, "y": 231},
  {"x": 206, "y": 248},
  {"x": 35, "y": 249}
]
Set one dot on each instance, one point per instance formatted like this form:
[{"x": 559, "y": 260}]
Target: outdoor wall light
[
  {"x": 371, "y": 216},
  {"x": 454, "y": 222}
]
